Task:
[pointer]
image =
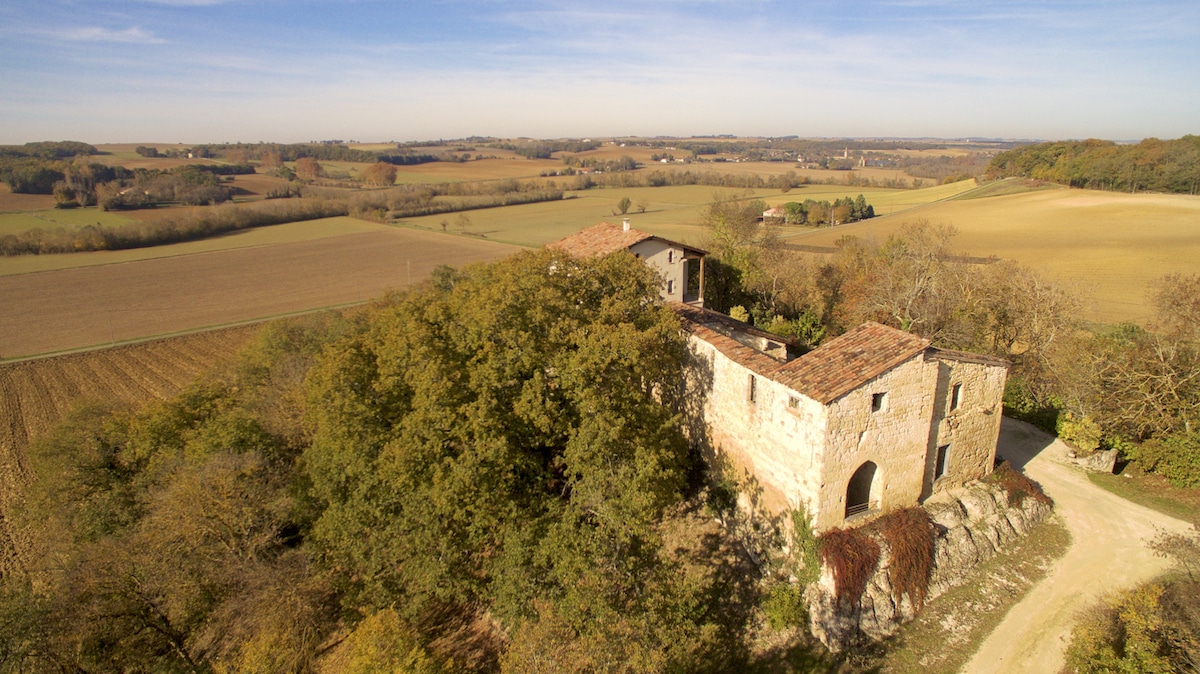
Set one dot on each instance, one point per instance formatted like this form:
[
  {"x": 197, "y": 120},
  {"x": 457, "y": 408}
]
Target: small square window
[
  {"x": 793, "y": 402},
  {"x": 878, "y": 400},
  {"x": 955, "y": 397}
]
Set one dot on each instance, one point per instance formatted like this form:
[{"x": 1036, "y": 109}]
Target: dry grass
[
  {"x": 87, "y": 306},
  {"x": 1017, "y": 485},
  {"x": 951, "y": 628},
  {"x": 1111, "y": 246}
]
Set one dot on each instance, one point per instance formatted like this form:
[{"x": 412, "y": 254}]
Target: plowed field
[
  {"x": 37, "y": 393},
  {"x": 53, "y": 311}
]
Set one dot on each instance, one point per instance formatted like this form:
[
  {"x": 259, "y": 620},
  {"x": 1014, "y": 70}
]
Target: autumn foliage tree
[{"x": 380, "y": 173}]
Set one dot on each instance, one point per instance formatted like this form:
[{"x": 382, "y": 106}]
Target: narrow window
[
  {"x": 877, "y": 401},
  {"x": 752, "y": 389},
  {"x": 670, "y": 257},
  {"x": 943, "y": 455},
  {"x": 670, "y": 286},
  {"x": 955, "y": 396}
]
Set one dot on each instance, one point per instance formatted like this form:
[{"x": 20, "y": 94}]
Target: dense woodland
[
  {"x": 480, "y": 475},
  {"x": 1152, "y": 165}
]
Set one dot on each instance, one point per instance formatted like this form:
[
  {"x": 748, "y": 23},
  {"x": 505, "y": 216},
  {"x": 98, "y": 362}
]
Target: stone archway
[{"x": 858, "y": 491}]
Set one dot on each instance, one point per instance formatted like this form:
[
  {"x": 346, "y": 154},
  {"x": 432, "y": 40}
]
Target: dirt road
[{"x": 1108, "y": 552}]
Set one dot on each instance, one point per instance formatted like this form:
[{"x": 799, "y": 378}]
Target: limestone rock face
[{"x": 971, "y": 530}]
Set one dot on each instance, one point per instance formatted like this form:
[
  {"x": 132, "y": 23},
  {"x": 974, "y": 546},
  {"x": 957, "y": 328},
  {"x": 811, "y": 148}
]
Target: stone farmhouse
[{"x": 872, "y": 420}]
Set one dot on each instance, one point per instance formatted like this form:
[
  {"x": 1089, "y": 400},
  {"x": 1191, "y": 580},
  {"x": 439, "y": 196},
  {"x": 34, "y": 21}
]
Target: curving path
[{"x": 1107, "y": 552}]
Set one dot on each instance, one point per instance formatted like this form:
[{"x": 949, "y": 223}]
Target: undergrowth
[{"x": 1017, "y": 485}]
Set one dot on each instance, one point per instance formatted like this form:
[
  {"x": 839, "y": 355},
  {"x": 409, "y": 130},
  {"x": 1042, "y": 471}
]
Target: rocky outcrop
[{"x": 971, "y": 529}]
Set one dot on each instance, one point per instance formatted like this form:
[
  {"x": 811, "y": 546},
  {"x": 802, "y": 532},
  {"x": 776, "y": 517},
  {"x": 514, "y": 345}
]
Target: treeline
[
  {"x": 190, "y": 226},
  {"x": 286, "y": 152},
  {"x": 663, "y": 178},
  {"x": 544, "y": 149},
  {"x": 482, "y": 475},
  {"x": 1151, "y": 165},
  {"x": 411, "y": 203},
  {"x": 946, "y": 169},
  {"x": 61, "y": 149},
  {"x": 841, "y": 211}
]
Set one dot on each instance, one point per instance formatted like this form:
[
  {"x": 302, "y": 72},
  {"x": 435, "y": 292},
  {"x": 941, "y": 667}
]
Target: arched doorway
[{"x": 858, "y": 492}]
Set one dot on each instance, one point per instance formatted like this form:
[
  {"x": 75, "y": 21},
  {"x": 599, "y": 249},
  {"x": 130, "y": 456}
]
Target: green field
[
  {"x": 307, "y": 230},
  {"x": 1110, "y": 246},
  {"x": 54, "y": 218},
  {"x": 673, "y": 212}
]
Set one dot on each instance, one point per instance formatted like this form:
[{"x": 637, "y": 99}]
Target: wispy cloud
[{"x": 134, "y": 35}]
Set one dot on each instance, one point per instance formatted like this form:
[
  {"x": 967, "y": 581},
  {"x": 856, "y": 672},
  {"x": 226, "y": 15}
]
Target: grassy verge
[
  {"x": 951, "y": 628},
  {"x": 1151, "y": 491}
]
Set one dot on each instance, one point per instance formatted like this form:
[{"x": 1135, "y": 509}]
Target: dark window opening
[
  {"x": 955, "y": 397},
  {"x": 877, "y": 401},
  {"x": 752, "y": 391},
  {"x": 943, "y": 455}
]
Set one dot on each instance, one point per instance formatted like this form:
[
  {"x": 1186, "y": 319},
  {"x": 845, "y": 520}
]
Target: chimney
[{"x": 625, "y": 225}]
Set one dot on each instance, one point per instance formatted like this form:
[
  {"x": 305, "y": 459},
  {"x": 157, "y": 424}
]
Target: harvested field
[
  {"x": 10, "y": 202},
  {"x": 37, "y": 393},
  {"x": 306, "y": 230},
  {"x": 1111, "y": 246},
  {"x": 89, "y": 306}
]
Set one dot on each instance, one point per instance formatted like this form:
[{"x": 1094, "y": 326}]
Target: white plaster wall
[
  {"x": 780, "y": 446},
  {"x": 657, "y": 254}
]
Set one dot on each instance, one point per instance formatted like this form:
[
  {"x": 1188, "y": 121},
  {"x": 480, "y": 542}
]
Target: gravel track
[{"x": 1108, "y": 553}]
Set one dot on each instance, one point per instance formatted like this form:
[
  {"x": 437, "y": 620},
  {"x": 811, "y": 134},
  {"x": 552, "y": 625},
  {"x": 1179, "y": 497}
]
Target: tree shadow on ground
[{"x": 1020, "y": 443}]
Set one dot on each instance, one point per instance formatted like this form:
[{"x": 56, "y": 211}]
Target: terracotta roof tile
[
  {"x": 606, "y": 238},
  {"x": 849, "y": 361}
]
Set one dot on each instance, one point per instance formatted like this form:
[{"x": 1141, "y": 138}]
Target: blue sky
[{"x": 376, "y": 70}]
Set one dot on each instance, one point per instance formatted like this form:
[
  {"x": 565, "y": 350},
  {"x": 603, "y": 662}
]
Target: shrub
[
  {"x": 1176, "y": 457},
  {"x": 853, "y": 556},
  {"x": 1084, "y": 434},
  {"x": 785, "y": 606},
  {"x": 910, "y": 535},
  {"x": 1017, "y": 485}
]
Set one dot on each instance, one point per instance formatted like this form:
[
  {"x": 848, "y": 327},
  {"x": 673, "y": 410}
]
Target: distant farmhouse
[{"x": 873, "y": 420}]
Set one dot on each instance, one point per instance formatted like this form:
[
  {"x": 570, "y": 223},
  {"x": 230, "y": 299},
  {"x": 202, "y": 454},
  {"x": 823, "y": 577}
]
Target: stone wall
[
  {"x": 972, "y": 528},
  {"x": 971, "y": 428},
  {"x": 776, "y": 440},
  {"x": 895, "y": 438}
]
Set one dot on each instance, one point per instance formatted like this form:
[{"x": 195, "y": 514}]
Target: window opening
[
  {"x": 943, "y": 455},
  {"x": 752, "y": 391},
  {"x": 878, "y": 400},
  {"x": 670, "y": 286},
  {"x": 670, "y": 257},
  {"x": 955, "y": 397}
]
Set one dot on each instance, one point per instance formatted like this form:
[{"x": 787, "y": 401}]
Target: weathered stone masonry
[{"x": 908, "y": 419}]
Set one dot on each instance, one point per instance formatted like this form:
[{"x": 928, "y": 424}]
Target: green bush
[
  {"x": 1084, "y": 434},
  {"x": 1176, "y": 457},
  {"x": 784, "y": 606}
]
